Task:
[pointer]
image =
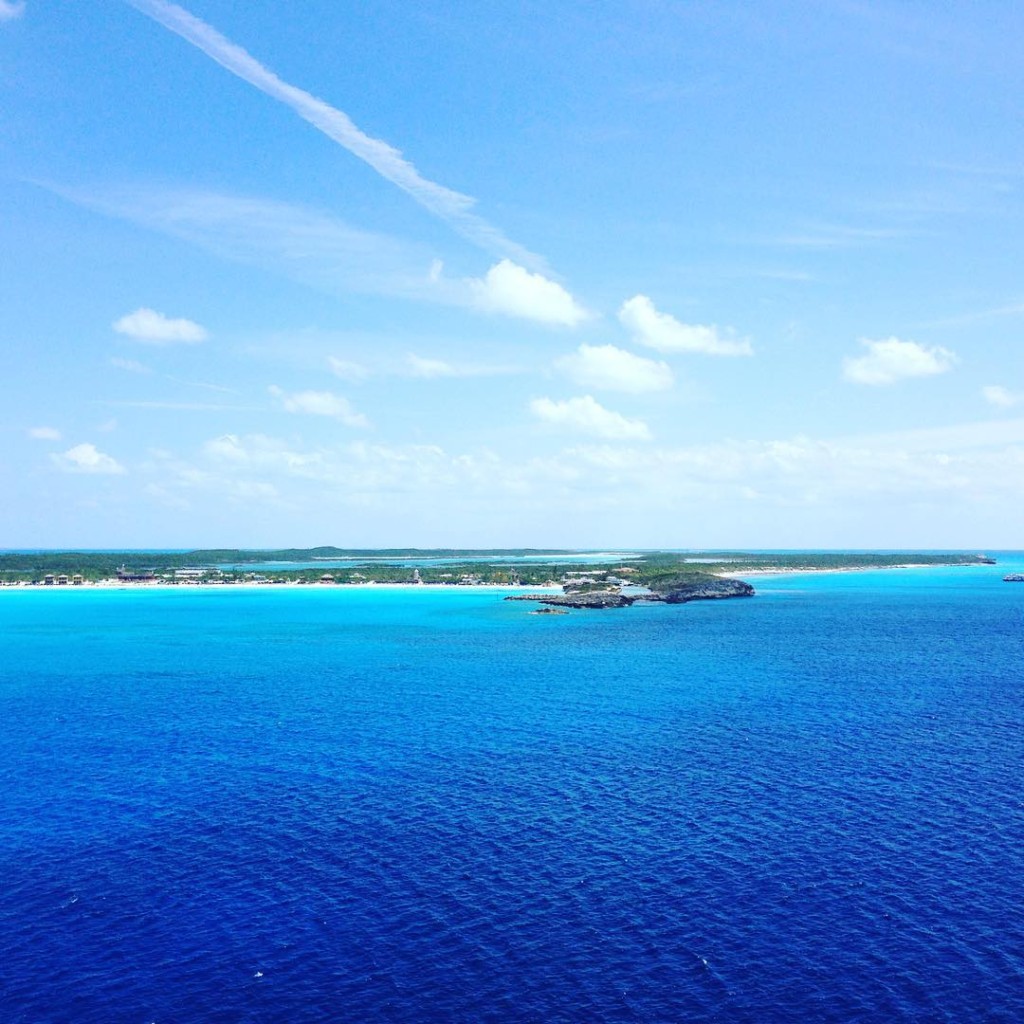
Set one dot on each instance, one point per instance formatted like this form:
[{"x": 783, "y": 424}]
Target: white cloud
[
  {"x": 131, "y": 365},
  {"x": 151, "y": 327},
  {"x": 590, "y": 417},
  {"x": 613, "y": 369},
  {"x": 203, "y": 385},
  {"x": 434, "y": 369},
  {"x": 413, "y": 365},
  {"x": 86, "y": 458},
  {"x": 890, "y": 360},
  {"x": 799, "y": 488},
  {"x": 452, "y": 207},
  {"x": 346, "y": 370},
  {"x": 431, "y": 369},
  {"x": 11, "y": 9},
  {"x": 319, "y": 403},
  {"x": 511, "y": 289},
  {"x": 836, "y": 236},
  {"x": 1001, "y": 397},
  {"x": 665, "y": 333},
  {"x": 324, "y": 252},
  {"x": 352, "y": 467},
  {"x": 257, "y": 451},
  {"x": 44, "y": 433}
]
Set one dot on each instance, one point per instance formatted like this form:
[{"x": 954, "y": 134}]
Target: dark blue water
[{"x": 342, "y": 805}]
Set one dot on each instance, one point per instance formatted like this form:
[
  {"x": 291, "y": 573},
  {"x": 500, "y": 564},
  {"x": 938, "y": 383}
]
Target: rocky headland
[
  {"x": 586, "y": 599},
  {"x": 678, "y": 589},
  {"x": 696, "y": 587}
]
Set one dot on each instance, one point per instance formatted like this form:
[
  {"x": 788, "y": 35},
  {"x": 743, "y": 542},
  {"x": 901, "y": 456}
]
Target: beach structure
[{"x": 125, "y": 575}]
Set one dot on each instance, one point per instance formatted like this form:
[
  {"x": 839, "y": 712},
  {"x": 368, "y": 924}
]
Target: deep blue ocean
[{"x": 331, "y": 804}]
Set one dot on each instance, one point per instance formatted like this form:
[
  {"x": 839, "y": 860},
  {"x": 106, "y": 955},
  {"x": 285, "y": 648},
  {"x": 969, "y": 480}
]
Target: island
[{"x": 585, "y": 579}]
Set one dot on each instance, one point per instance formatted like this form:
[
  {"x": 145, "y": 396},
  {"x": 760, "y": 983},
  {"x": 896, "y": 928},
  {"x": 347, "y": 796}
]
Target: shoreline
[
  {"x": 113, "y": 584},
  {"x": 249, "y": 585},
  {"x": 786, "y": 571}
]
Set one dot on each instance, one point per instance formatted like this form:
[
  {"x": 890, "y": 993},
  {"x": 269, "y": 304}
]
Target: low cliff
[
  {"x": 696, "y": 587},
  {"x": 675, "y": 589},
  {"x": 589, "y": 599}
]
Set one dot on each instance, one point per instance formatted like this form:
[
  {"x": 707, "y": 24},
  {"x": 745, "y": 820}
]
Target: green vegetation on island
[{"x": 660, "y": 571}]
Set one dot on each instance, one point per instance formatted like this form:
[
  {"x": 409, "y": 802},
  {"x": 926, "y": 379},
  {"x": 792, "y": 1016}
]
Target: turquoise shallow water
[{"x": 332, "y": 804}]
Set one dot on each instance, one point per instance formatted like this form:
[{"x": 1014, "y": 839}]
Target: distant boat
[{"x": 1014, "y": 577}]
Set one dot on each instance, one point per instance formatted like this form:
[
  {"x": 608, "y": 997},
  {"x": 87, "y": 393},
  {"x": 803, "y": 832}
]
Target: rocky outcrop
[
  {"x": 586, "y": 599},
  {"x": 705, "y": 588},
  {"x": 589, "y": 599},
  {"x": 673, "y": 590}
]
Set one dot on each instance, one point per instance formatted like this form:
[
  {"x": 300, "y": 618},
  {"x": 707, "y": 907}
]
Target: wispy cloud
[
  {"x": 153, "y": 328},
  {"x": 324, "y": 252},
  {"x": 795, "y": 276},
  {"x": 802, "y": 484},
  {"x": 586, "y": 416},
  {"x": 614, "y": 369},
  {"x": 988, "y": 434},
  {"x": 258, "y": 450},
  {"x": 978, "y": 316},
  {"x": 890, "y": 360},
  {"x": 415, "y": 366},
  {"x": 44, "y": 433},
  {"x": 11, "y": 9},
  {"x": 835, "y": 236},
  {"x": 302, "y": 244},
  {"x": 1000, "y": 397},
  {"x": 434, "y": 369},
  {"x": 134, "y": 366},
  {"x": 345, "y": 369},
  {"x": 202, "y": 385},
  {"x": 87, "y": 458},
  {"x": 664, "y": 332},
  {"x": 319, "y": 403},
  {"x": 130, "y": 365},
  {"x": 451, "y": 206}
]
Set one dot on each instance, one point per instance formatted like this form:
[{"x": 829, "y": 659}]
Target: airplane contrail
[{"x": 453, "y": 207}]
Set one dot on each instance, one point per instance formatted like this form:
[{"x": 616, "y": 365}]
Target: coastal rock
[
  {"x": 709, "y": 588},
  {"x": 672, "y": 590},
  {"x": 590, "y": 599}
]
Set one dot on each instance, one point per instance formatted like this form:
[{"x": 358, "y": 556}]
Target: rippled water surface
[{"x": 384, "y": 805}]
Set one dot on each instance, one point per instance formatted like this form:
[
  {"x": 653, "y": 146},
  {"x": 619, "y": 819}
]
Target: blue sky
[{"x": 648, "y": 274}]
